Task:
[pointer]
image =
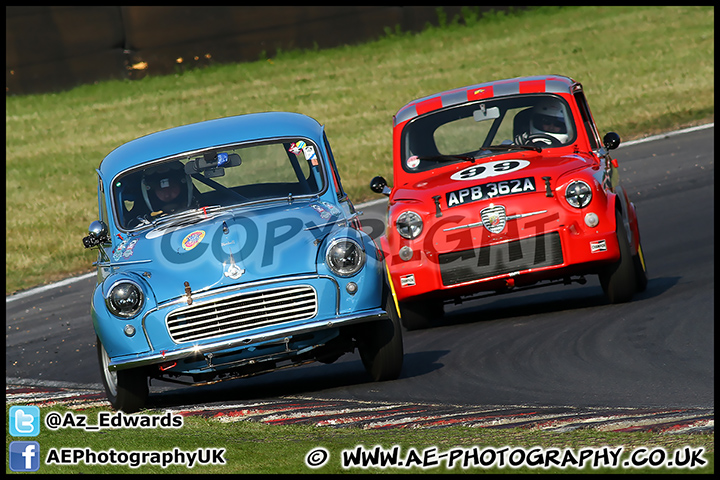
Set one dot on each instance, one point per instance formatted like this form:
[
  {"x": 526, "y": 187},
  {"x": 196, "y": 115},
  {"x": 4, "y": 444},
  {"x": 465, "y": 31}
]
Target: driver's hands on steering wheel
[{"x": 537, "y": 138}]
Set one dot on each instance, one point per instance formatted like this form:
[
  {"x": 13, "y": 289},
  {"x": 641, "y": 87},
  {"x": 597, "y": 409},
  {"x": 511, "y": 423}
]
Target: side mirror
[
  {"x": 611, "y": 140},
  {"x": 98, "y": 234},
  {"x": 379, "y": 185}
]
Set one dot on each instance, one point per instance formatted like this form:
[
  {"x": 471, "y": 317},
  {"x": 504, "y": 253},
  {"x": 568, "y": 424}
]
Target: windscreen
[
  {"x": 471, "y": 130},
  {"x": 220, "y": 177}
]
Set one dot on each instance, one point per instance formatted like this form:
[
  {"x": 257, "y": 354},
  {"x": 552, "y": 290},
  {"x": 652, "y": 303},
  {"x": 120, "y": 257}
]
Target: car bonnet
[
  {"x": 441, "y": 180},
  {"x": 254, "y": 245}
]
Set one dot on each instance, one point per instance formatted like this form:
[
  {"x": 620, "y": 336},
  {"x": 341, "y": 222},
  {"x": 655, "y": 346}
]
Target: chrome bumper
[{"x": 240, "y": 341}]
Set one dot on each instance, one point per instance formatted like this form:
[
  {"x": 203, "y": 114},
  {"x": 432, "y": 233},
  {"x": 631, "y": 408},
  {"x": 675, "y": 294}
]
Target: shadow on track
[
  {"x": 523, "y": 304},
  {"x": 306, "y": 380}
]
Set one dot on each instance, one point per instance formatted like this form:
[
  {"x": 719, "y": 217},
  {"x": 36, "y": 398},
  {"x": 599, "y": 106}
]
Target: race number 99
[{"x": 490, "y": 169}]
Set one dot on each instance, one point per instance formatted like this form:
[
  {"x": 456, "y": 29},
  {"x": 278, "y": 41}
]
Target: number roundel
[{"x": 490, "y": 169}]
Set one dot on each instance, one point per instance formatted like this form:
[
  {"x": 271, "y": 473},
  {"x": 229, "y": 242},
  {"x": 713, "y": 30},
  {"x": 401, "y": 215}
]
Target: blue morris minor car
[{"x": 228, "y": 248}]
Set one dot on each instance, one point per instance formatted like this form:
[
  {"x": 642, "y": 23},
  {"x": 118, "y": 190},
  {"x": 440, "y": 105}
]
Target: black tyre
[
  {"x": 126, "y": 390},
  {"x": 618, "y": 280},
  {"x": 419, "y": 315},
  {"x": 380, "y": 345},
  {"x": 641, "y": 278}
]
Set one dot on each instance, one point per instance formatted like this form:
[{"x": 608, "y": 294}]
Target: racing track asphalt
[{"x": 549, "y": 347}]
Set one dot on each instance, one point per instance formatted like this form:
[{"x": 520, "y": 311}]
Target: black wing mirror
[
  {"x": 611, "y": 140},
  {"x": 379, "y": 185}
]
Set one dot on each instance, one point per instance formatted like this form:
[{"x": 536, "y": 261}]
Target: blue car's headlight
[
  {"x": 125, "y": 299},
  {"x": 345, "y": 257}
]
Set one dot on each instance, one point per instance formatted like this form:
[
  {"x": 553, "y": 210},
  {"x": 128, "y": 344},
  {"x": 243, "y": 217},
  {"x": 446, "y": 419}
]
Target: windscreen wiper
[
  {"x": 188, "y": 217},
  {"x": 511, "y": 146},
  {"x": 446, "y": 158}
]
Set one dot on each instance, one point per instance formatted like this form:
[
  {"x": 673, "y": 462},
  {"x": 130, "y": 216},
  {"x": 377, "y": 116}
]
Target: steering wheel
[{"x": 541, "y": 138}]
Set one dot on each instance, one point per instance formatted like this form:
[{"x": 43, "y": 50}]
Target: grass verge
[{"x": 645, "y": 70}]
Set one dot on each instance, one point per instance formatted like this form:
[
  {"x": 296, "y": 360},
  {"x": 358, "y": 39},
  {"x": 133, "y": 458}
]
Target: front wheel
[
  {"x": 641, "y": 278},
  {"x": 126, "y": 390},
  {"x": 380, "y": 345},
  {"x": 619, "y": 280}
]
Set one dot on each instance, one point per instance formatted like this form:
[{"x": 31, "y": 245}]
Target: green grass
[
  {"x": 252, "y": 447},
  {"x": 645, "y": 70}
]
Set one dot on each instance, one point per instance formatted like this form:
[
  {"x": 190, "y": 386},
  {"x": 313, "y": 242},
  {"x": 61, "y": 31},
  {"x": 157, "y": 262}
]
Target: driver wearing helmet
[
  {"x": 547, "y": 124},
  {"x": 543, "y": 124},
  {"x": 166, "y": 189}
]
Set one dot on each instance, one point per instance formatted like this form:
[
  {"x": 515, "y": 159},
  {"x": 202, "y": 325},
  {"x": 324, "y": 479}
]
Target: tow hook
[
  {"x": 438, "y": 212},
  {"x": 548, "y": 190},
  {"x": 188, "y": 292}
]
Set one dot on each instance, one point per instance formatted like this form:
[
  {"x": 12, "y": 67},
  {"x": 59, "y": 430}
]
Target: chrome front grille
[{"x": 242, "y": 312}]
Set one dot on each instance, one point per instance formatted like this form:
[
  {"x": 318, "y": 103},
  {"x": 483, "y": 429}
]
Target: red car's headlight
[
  {"x": 409, "y": 225},
  {"x": 578, "y": 194}
]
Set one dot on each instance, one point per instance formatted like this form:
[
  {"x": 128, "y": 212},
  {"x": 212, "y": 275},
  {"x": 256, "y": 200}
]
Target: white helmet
[{"x": 548, "y": 118}]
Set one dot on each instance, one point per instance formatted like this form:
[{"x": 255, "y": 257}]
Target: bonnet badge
[{"x": 493, "y": 218}]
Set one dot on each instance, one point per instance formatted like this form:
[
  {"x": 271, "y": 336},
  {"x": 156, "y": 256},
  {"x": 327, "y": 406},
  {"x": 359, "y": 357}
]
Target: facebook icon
[{"x": 24, "y": 456}]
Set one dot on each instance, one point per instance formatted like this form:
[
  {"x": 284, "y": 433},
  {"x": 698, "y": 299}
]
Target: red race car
[{"x": 500, "y": 186}]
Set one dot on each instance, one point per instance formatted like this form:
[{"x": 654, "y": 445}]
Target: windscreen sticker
[
  {"x": 297, "y": 147},
  {"x": 310, "y": 156},
  {"x": 308, "y": 150},
  {"x": 490, "y": 169}
]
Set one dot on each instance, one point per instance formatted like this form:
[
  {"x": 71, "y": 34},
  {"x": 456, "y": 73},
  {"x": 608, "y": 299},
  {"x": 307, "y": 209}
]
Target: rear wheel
[
  {"x": 380, "y": 345},
  {"x": 618, "y": 280},
  {"x": 126, "y": 390}
]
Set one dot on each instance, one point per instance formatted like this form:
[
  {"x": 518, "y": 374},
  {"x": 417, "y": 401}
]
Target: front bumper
[
  {"x": 552, "y": 255},
  {"x": 243, "y": 341},
  {"x": 154, "y": 342}
]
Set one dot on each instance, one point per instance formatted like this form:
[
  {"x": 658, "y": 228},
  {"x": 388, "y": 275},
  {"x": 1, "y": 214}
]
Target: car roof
[
  {"x": 209, "y": 133},
  {"x": 498, "y": 88}
]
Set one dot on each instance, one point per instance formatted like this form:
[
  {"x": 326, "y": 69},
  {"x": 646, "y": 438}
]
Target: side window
[
  {"x": 588, "y": 121},
  {"x": 333, "y": 167}
]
